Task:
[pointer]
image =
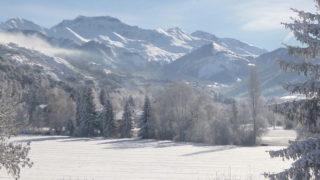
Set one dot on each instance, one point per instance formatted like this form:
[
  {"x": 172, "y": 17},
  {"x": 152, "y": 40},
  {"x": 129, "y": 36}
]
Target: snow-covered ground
[
  {"x": 59, "y": 157},
  {"x": 278, "y": 136}
]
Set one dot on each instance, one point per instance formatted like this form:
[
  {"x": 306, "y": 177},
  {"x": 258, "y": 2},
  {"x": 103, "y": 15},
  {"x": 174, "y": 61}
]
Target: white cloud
[
  {"x": 257, "y": 15},
  {"x": 35, "y": 43}
]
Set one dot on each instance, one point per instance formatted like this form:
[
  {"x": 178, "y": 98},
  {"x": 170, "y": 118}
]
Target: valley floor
[{"x": 59, "y": 157}]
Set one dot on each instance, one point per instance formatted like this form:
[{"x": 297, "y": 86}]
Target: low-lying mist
[{"x": 34, "y": 42}]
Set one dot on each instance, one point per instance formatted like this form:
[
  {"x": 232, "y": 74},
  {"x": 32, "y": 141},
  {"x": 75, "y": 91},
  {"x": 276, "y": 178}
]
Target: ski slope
[{"x": 60, "y": 157}]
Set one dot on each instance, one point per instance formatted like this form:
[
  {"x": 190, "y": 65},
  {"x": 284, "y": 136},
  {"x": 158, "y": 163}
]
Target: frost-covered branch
[
  {"x": 305, "y": 153},
  {"x": 304, "y": 68},
  {"x": 13, "y": 156},
  {"x": 310, "y": 88},
  {"x": 306, "y": 112}
]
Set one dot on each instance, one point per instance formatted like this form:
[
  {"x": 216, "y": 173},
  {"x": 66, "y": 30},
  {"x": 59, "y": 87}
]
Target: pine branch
[
  {"x": 306, "y": 112},
  {"x": 307, "y": 15},
  {"x": 306, "y": 52},
  {"x": 310, "y": 88},
  {"x": 305, "y": 68}
]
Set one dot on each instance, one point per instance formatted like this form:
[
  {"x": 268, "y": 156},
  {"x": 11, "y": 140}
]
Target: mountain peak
[
  {"x": 87, "y": 19},
  {"x": 21, "y": 24},
  {"x": 15, "y": 22},
  {"x": 175, "y": 29},
  {"x": 204, "y": 35},
  {"x": 99, "y": 18}
]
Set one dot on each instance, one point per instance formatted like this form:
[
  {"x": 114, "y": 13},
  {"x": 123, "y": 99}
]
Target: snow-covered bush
[
  {"x": 13, "y": 156},
  {"x": 182, "y": 113}
]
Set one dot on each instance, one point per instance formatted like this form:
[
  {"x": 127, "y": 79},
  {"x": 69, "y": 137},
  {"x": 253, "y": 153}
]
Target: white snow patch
[
  {"x": 158, "y": 54},
  {"x": 218, "y": 47},
  {"x": 107, "y": 71},
  {"x": 110, "y": 42},
  {"x": 217, "y": 85},
  {"x": 64, "y": 62},
  {"x": 19, "y": 58},
  {"x": 292, "y": 97},
  {"x": 77, "y": 35},
  {"x": 42, "y": 106}
]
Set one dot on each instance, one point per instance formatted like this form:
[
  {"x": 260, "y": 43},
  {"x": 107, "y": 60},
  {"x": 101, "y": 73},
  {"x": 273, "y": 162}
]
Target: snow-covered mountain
[
  {"x": 234, "y": 45},
  {"x": 152, "y": 45},
  {"x": 110, "y": 42},
  {"x": 114, "y": 46},
  {"x": 57, "y": 68},
  {"x": 210, "y": 63},
  {"x": 21, "y": 24},
  {"x": 271, "y": 76}
]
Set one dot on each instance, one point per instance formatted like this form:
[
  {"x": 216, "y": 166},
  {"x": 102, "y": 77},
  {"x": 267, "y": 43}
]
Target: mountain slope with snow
[
  {"x": 234, "y": 45},
  {"x": 107, "y": 43},
  {"x": 210, "y": 63},
  {"x": 153, "y": 45},
  {"x": 22, "y": 24},
  {"x": 162, "y": 46},
  {"x": 271, "y": 76}
]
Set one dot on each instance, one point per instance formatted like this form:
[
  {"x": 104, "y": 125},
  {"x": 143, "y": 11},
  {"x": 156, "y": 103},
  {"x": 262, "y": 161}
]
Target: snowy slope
[
  {"x": 212, "y": 63},
  {"x": 153, "y": 45},
  {"x": 21, "y": 24},
  {"x": 156, "y": 54},
  {"x": 126, "y": 47},
  {"x": 234, "y": 45},
  {"x": 71, "y": 71},
  {"x": 58, "y": 68},
  {"x": 58, "y": 157},
  {"x": 271, "y": 76}
]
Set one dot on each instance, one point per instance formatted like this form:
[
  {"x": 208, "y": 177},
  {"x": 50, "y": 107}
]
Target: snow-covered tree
[
  {"x": 254, "y": 100},
  {"x": 86, "y": 112},
  {"x": 125, "y": 127},
  {"x": 305, "y": 152},
  {"x": 13, "y": 156},
  {"x": 147, "y": 121},
  {"x": 234, "y": 111},
  {"x": 107, "y": 116},
  {"x": 61, "y": 110}
]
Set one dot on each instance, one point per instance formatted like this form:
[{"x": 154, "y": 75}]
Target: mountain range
[{"x": 91, "y": 46}]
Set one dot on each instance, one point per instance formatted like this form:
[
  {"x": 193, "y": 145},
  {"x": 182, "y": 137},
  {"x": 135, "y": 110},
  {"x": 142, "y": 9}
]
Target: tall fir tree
[
  {"x": 235, "y": 112},
  {"x": 306, "y": 151},
  {"x": 125, "y": 127},
  {"x": 146, "y": 122},
  {"x": 86, "y": 113},
  {"x": 107, "y": 117}
]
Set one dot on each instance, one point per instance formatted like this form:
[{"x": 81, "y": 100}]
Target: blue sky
[{"x": 256, "y": 22}]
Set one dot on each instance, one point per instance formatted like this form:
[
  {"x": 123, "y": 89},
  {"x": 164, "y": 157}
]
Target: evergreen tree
[
  {"x": 107, "y": 116},
  {"x": 126, "y": 122},
  {"x": 86, "y": 113},
  {"x": 234, "y": 118},
  {"x": 131, "y": 101},
  {"x": 70, "y": 127},
  {"x": 146, "y": 122},
  {"x": 305, "y": 152}
]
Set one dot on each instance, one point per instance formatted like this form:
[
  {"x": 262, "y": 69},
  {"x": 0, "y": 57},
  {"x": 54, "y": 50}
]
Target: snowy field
[{"x": 58, "y": 157}]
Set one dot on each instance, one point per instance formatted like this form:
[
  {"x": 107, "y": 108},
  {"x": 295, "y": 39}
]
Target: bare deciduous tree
[{"x": 254, "y": 93}]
